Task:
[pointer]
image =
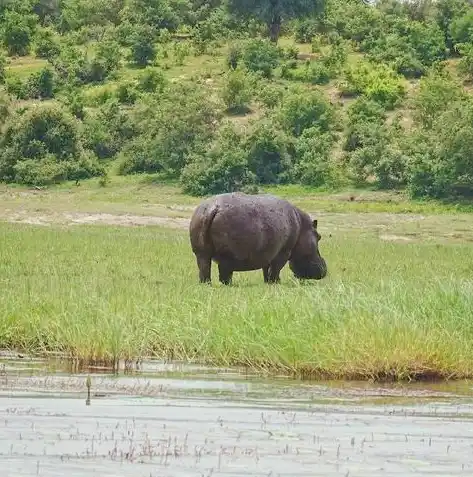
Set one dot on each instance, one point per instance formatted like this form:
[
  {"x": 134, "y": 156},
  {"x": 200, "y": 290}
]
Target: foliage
[
  {"x": 268, "y": 153},
  {"x": 260, "y": 56},
  {"x": 44, "y": 145},
  {"x": 301, "y": 109},
  {"x": 221, "y": 168},
  {"x": 169, "y": 126},
  {"x": 41, "y": 85},
  {"x": 376, "y": 81},
  {"x": 237, "y": 91},
  {"x": 17, "y": 33},
  {"x": 142, "y": 49},
  {"x": 46, "y": 43},
  {"x": 314, "y": 163}
]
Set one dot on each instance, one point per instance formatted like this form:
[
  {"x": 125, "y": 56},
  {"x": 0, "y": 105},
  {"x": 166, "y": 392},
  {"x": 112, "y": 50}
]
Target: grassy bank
[
  {"x": 101, "y": 293},
  {"x": 145, "y": 195}
]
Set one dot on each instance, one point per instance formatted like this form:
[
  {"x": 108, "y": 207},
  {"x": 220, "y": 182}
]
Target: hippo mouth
[{"x": 309, "y": 270}]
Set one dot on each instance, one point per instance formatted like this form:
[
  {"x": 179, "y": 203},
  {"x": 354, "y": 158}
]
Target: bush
[
  {"x": 234, "y": 55},
  {"x": 41, "y": 85},
  {"x": 260, "y": 56},
  {"x": 270, "y": 95},
  {"x": 411, "y": 48},
  {"x": 43, "y": 146},
  {"x": 16, "y": 33},
  {"x": 377, "y": 82},
  {"x": 465, "y": 66},
  {"x": 237, "y": 91},
  {"x": 441, "y": 158},
  {"x": 302, "y": 109},
  {"x": 461, "y": 29},
  {"x": 142, "y": 50},
  {"x": 108, "y": 129},
  {"x": 268, "y": 152},
  {"x": 223, "y": 168},
  {"x": 436, "y": 92},
  {"x": 152, "y": 81},
  {"x": 306, "y": 29},
  {"x": 16, "y": 87},
  {"x": 4, "y": 108},
  {"x": 46, "y": 44},
  {"x": 126, "y": 92},
  {"x": 313, "y": 159},
  {"x": 364, "y": 116},
  {"x": 169, "y": 128}
]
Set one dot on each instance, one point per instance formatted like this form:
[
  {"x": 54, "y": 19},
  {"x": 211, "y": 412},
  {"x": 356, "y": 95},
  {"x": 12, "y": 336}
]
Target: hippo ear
[{"x": 314, "y": 224}]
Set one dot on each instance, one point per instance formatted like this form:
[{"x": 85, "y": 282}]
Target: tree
[{"x": 274, "y": 12}]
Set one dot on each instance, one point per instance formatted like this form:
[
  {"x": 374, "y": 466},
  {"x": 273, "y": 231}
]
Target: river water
[{"x": 178, "y": 421}]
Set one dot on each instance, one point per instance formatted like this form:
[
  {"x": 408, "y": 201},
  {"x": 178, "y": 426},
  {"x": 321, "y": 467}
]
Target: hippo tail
[{"x": 200, "y": 226}]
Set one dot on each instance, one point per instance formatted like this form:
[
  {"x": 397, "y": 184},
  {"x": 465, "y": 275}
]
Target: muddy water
[{"x": 177, "y": 421}]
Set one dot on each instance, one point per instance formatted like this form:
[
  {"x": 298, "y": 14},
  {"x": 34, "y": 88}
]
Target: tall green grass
[{"x": 102, "y": 293}]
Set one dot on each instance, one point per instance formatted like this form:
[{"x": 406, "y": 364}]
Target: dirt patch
[
  {"x": 77, "y": 218},
  {"x": 395, "y": 238}
]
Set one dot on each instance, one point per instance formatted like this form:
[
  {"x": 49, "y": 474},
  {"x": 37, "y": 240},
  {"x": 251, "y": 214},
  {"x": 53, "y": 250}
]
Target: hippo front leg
[
  {"x": 205, "y": 268},
  {"x": 225, "y": 273},
  {"x": 276, "y": 266},
  {"x": 266, "y": 274}
]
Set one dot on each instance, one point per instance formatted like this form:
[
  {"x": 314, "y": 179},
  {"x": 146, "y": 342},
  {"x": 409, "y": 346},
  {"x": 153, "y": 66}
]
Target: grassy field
[{"x": 389, "y": 309}]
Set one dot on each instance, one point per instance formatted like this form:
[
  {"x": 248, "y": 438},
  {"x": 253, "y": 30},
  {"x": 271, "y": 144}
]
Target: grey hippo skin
[{"x": 250, "y": 232}]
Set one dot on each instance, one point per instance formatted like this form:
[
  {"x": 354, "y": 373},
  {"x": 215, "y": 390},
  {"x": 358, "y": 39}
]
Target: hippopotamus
[{"x": 243, "y": 232}]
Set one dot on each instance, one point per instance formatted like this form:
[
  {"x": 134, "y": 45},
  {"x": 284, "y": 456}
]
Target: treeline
[{"x": 383, "y": 98}]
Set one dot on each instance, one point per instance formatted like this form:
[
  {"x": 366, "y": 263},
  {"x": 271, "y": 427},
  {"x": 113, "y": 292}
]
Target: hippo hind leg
[
  {"x": 225, "y": 273},
  {"x": 205, "y": 268}
]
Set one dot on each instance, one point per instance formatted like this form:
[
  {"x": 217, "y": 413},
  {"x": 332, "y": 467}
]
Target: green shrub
[
  {"x": 268, "y": 153},
  {"x": 465, "y": 66},
  {"x": 108, "y": 129},
  {"x": 260, "y": 56},
  {"x": 461, "y": 28},
  {"x": 364, "y": 117},
  {"x": 436, "y": 92},
  {"x": 270, "y": 95},
  {"x": 46, "y": 44},
  {"x": 16, "y": 87},
  {"x": 441, "y": 158},
  {"x": 378, "y": 82},
  {"x": 237, "y": 91},
  {"x": 142, "y": 50},
  {"x": 301, "y": 109},
  {"x": 234, "y": 55},
  {"x": 306, "y": 29},
  {"x": 223, "y": 168},
  {"x": 3, "y": 63},
  {"x": 127, "y": 92},
  {"x": 43, "y": 146},
  {"x": 168, "y": 129},
  {"x": 152, "y": 81},
  {"x": 410, "y": 49},
  {"x": 17, "y": 32},
  {"x": 314, "y": 164},
  {"x": 41, "y": 84}
]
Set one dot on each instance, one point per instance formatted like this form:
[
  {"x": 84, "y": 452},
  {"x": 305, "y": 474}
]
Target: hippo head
[{"x": 306, "y": 261}]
